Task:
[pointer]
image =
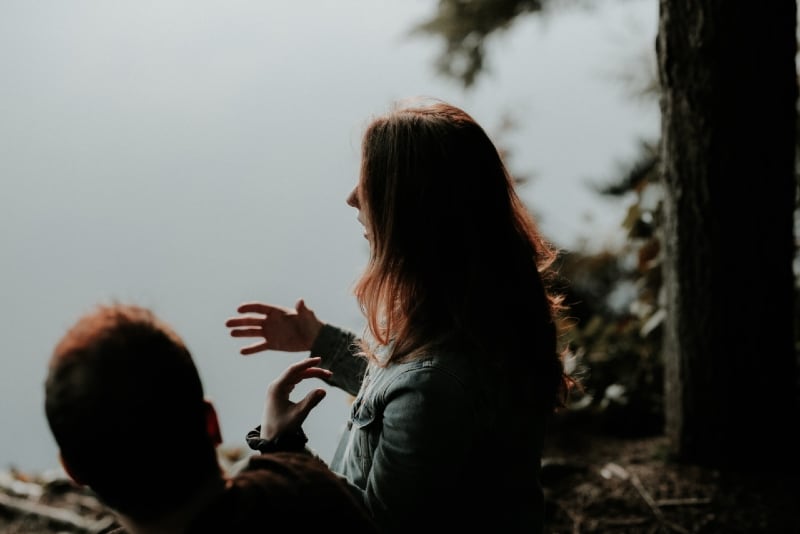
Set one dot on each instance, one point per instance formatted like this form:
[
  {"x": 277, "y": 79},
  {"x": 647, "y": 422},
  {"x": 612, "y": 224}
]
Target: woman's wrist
[
  {"x": 313, "y": 332},
  {"x": 287, "y": 442}
]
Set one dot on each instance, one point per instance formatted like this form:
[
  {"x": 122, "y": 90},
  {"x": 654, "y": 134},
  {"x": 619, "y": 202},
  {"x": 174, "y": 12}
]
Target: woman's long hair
[{"x": 456, "y": 260}]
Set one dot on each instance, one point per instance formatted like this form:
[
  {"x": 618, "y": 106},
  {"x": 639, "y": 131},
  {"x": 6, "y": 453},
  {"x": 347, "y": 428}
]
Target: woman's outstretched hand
[
  {"x": 279, "y": 328},
  {"x": 281, "y": 415}
]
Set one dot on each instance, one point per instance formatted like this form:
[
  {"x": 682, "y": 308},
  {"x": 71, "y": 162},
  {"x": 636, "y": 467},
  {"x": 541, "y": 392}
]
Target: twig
[
  {"x": 651, "y": 503},
  {"x": 689, "y": 501},
  {"x": 612, "y": 469},
  {"x": 575, "y": 518},
  {"x": 60, "y": 516}
]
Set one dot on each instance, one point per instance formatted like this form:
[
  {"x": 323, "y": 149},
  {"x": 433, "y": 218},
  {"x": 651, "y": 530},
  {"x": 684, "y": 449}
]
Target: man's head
[{"x": 125, "y": 404}]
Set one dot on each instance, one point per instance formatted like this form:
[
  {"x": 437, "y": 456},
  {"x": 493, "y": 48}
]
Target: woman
[{"x": 459, "y": 368}]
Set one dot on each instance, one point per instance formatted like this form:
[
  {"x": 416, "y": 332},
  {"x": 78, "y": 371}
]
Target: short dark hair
[{"x": 121, "y": 386}]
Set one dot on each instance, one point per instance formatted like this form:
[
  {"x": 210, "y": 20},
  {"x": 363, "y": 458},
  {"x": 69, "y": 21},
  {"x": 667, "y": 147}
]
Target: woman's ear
[{"x": 212, "y": 424}]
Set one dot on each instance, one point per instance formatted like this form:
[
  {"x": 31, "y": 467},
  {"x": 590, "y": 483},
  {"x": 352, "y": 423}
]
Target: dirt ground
[
  {"x": 593, "y": 484},
  {"x": 600, "y": 484}
]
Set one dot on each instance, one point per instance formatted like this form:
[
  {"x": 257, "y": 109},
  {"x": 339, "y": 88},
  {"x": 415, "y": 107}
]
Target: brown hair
[
  {"x": 455, "y": 258},
  {"x": 121, "y": 384}
]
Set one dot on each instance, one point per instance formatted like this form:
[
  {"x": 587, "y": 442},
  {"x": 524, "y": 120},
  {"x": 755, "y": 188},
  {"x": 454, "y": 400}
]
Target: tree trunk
[{"x": 729, "y": 96}]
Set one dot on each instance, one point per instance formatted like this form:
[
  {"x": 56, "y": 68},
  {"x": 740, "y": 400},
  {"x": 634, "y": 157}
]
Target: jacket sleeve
[{"x": 338, "y": 349}]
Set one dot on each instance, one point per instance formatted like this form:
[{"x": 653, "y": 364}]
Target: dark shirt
[{"x": 283, "y": 490}]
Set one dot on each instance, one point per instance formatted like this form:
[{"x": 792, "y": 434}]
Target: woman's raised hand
[
  {"x": 277, "y": 327},
  {"x": 281, "y": 415}
]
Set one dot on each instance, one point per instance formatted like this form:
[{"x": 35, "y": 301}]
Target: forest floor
[{"x": 593, "y": 483}]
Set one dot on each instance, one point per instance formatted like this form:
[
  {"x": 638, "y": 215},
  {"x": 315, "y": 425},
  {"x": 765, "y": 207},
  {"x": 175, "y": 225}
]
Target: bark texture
[{"x": 729, "y": 96}]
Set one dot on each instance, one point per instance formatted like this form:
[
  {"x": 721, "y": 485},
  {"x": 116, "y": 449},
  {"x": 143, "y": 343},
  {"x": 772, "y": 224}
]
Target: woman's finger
[
  {"x": 234, "y": 322},
  {"x": 316, "y": 372},
  {"x": 255, "y": 347},
  {"x": 286, "y": 383},
  {"x": 247, "y": 332},
  {"x": 299, "y": 367},
  {"x": 255, "y": 307},
  {"x": 308, "y": 403},
  {"x": 294, "y": 373}
]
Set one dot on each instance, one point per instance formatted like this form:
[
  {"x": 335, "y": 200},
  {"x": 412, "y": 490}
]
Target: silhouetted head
[{"x": 125, "y": 405}]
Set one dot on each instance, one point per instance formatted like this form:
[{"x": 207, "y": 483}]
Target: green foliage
[
  {"x": 616, "y": 335},
  {"x": 464, "y": 26},
  {"x": 617, "y": 312}
]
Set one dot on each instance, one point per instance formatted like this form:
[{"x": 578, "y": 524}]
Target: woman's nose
[{"x": 352, "y": 199}]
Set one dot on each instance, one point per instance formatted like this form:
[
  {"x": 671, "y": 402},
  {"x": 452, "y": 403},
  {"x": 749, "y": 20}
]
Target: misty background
[{"x": 191, "y": 155}]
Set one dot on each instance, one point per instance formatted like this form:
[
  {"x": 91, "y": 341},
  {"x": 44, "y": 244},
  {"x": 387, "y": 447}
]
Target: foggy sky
[{"x": 191, "y": 155}]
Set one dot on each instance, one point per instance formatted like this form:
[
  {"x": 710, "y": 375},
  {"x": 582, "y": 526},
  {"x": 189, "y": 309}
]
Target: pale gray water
[{"x": 191, "y": 155}]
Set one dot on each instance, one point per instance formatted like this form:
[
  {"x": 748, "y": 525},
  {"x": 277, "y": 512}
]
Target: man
[{"x": 126, "y": 407}]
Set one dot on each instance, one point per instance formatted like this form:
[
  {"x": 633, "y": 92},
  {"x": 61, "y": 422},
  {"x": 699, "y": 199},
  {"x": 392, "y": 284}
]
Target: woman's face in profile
[{"x": 354, "y": 200}]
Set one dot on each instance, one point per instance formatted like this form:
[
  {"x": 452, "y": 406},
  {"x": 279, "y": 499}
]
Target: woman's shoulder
[{"x": 438, "y": 368}]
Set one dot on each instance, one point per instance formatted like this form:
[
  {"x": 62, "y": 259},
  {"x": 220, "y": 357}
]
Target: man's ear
[
  {"x": 72, "y": 473},
  {"x": 212, "y": 424}
]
